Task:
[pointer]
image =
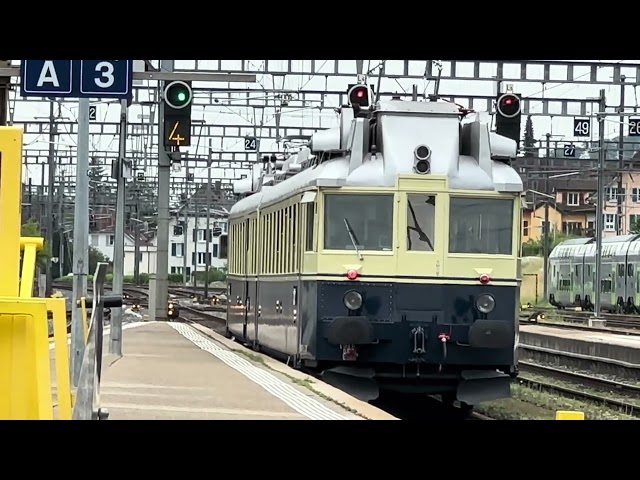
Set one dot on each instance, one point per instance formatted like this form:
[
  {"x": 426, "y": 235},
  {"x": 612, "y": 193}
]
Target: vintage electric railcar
[
  {"x": 385, "y": 255},
  {"x": 572, "y": 274}
]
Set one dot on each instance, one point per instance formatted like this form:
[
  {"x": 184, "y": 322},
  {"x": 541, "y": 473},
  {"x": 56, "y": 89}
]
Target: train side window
[
  {"x": 311, "y": 220},
  {"x": 576, "y": 270},
  {"x": 620, "y": 270},
  {"x": 630, "y": 270},
  {"x": 421, "y": 222}
]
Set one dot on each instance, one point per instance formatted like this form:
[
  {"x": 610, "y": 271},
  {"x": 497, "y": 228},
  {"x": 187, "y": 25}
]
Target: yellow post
[
  {"x": 25, "y": 374},
  {"x": 569, "y": 415},
  {"x": 10, "y": 205},
  {"x": 31, "y": 245}
]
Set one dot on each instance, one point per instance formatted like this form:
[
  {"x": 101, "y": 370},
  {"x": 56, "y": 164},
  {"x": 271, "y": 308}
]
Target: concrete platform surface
[
  {"x": 173, "y": 371},
  {"x": 629, "y": 341}
]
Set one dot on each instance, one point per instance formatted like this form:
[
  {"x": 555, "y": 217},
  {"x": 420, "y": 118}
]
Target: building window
[
  {"x": 609, "y": 222},
  {"x": 634, "y": 223},
  {"x": 202, "y": 235},
  {"x": 635, "y": 195},
  {"x": 573, "y": 199},
  {"x": 525, "y": 228},
  {"x": 112, "y": 239},
  {"x": 572, "y": 228},
  {"x": 177, "y": 249},
  {"x": 611, "y": 194}
]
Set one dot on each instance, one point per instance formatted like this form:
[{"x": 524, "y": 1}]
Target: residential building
[
  {"x": 630, "y": 195},
  {"x": 570, "y": 212},
  {"x": 196, "y": 238},
  {"x": 104, "y": 242},
  {"x": 573, "y": 200}
]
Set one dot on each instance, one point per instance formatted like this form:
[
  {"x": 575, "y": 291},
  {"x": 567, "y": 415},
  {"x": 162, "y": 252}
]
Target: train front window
[
  {"x": 421, "y": 222},
  {"x": 358, "y": 222},
  {"x": 481, "y": 225}
]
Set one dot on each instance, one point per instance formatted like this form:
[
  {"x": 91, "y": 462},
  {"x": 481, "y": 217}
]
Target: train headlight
[
  {"x": 352, "y": 300},
  {"x": 485, "y": 303}
]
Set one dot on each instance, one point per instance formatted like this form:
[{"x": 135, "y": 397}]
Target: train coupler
[
  {"x": 349, "y": 353},
  {"x": 419, "y": 346}
]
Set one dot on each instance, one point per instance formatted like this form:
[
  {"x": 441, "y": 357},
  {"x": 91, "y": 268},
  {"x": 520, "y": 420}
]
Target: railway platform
[
  {"x": 610, "y": 346},
  {"x": 178, "y": 371}
]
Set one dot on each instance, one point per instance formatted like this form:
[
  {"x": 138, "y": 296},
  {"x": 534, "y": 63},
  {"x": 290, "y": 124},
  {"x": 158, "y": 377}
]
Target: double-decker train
[
  {"x": 572, "y": 274},
  {"x": 385, "y": 253}
]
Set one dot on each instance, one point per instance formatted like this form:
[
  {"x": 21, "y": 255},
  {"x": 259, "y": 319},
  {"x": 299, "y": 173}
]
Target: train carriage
[
  {"x": 385, "y": 255},
  {"x": 619, "y": 278}
]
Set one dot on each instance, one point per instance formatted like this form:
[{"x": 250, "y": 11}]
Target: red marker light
[
  {"x": 508, "y": 101},
  {"x": 352, "y": 274},
  {"x": 484, "y": 278},
  {"x": 360, "y": 93}
]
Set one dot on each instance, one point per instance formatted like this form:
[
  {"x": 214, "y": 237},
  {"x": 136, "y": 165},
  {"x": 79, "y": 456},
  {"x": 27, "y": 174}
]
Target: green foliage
[
  {"x": 214, "y": 275},
  {"x": 534, "y": 248},
  {"x": 32, "y": 229},
  {"x": 529, "y": 141},
  {"x": 635, "y": 226},
  {"x": 175, "y": 278}
]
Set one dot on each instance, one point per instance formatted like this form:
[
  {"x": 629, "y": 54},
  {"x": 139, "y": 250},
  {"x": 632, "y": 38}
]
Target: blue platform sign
[{"x": 77, "y": 78}]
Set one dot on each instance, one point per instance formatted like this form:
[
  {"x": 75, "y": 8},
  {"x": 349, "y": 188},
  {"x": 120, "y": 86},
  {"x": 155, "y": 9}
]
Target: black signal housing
[{"x": 508, "y": 116}]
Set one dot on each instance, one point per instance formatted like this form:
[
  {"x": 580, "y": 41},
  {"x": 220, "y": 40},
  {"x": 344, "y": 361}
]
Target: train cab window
[
  {"x": 421, "y": 222},
  {"x": 363, "y": 222},
  {"x": 481, "y": 225}
]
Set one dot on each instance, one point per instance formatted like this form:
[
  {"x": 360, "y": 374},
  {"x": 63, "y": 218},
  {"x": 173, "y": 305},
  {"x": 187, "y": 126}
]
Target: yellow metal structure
[
  {"x": 26, "y": 383},
  {"x": 569, "y": 415}
]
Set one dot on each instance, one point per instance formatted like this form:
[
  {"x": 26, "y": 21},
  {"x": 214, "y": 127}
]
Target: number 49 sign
[{"x": 582, "y": 127}]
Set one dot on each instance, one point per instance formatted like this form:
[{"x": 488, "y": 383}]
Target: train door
[
  {"x": 631, "y": 283},
  {"x": 247, "y": 259}
]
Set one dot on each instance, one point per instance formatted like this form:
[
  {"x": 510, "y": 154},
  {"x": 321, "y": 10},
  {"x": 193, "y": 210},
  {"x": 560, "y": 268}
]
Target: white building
[
  {"x": 104, "y": 242},
  {"x": 196, "y": 245}
]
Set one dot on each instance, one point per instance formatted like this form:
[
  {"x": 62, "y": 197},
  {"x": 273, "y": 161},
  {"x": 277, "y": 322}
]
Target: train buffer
[{"x": 175, "y": 370}]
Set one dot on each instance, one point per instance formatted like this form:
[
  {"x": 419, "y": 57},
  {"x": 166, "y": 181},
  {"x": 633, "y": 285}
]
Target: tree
[
  {"x": 97, "y": 181},
  {"x": 32, "y": 229},
  {"x": 95, "y": 256},
  {"x": 529, "y": 138}
]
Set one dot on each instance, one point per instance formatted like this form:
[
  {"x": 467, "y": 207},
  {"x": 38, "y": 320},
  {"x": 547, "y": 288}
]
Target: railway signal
[
  {"x": 172, "y": 311},
  {"x": 178, "y": 100},
  {"x": 359, "y": 95},
  {"x": 508, "y": 116}
]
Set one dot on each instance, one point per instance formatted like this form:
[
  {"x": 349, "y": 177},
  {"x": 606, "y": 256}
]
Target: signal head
[
  {"x": 359, "y": 95},
  {"x": 178, "y": 94},
  {"x": 508, "y": 105}
]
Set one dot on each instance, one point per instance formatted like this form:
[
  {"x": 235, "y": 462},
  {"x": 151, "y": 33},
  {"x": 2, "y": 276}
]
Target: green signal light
[{"x": 182, "y": 96}]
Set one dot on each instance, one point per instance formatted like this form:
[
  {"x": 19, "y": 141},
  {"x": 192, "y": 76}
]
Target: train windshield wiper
[{"x": 352, "y": 236}]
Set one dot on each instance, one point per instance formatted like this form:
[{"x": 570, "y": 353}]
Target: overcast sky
[{"x": 311, "y": 116}]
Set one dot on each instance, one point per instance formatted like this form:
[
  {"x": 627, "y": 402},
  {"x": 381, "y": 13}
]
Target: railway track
[
  {"x": 580, "y": 379},
  {"x": 213, "y": 317}
]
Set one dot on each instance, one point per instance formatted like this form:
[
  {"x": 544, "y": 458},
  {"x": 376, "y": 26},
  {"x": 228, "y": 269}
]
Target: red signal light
[
  {"x": 359, "y": 95},
  {"x": 484, "y": 278},
  {"x": 352, "y": 274},
  {"x": 508, "y": 106}
]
